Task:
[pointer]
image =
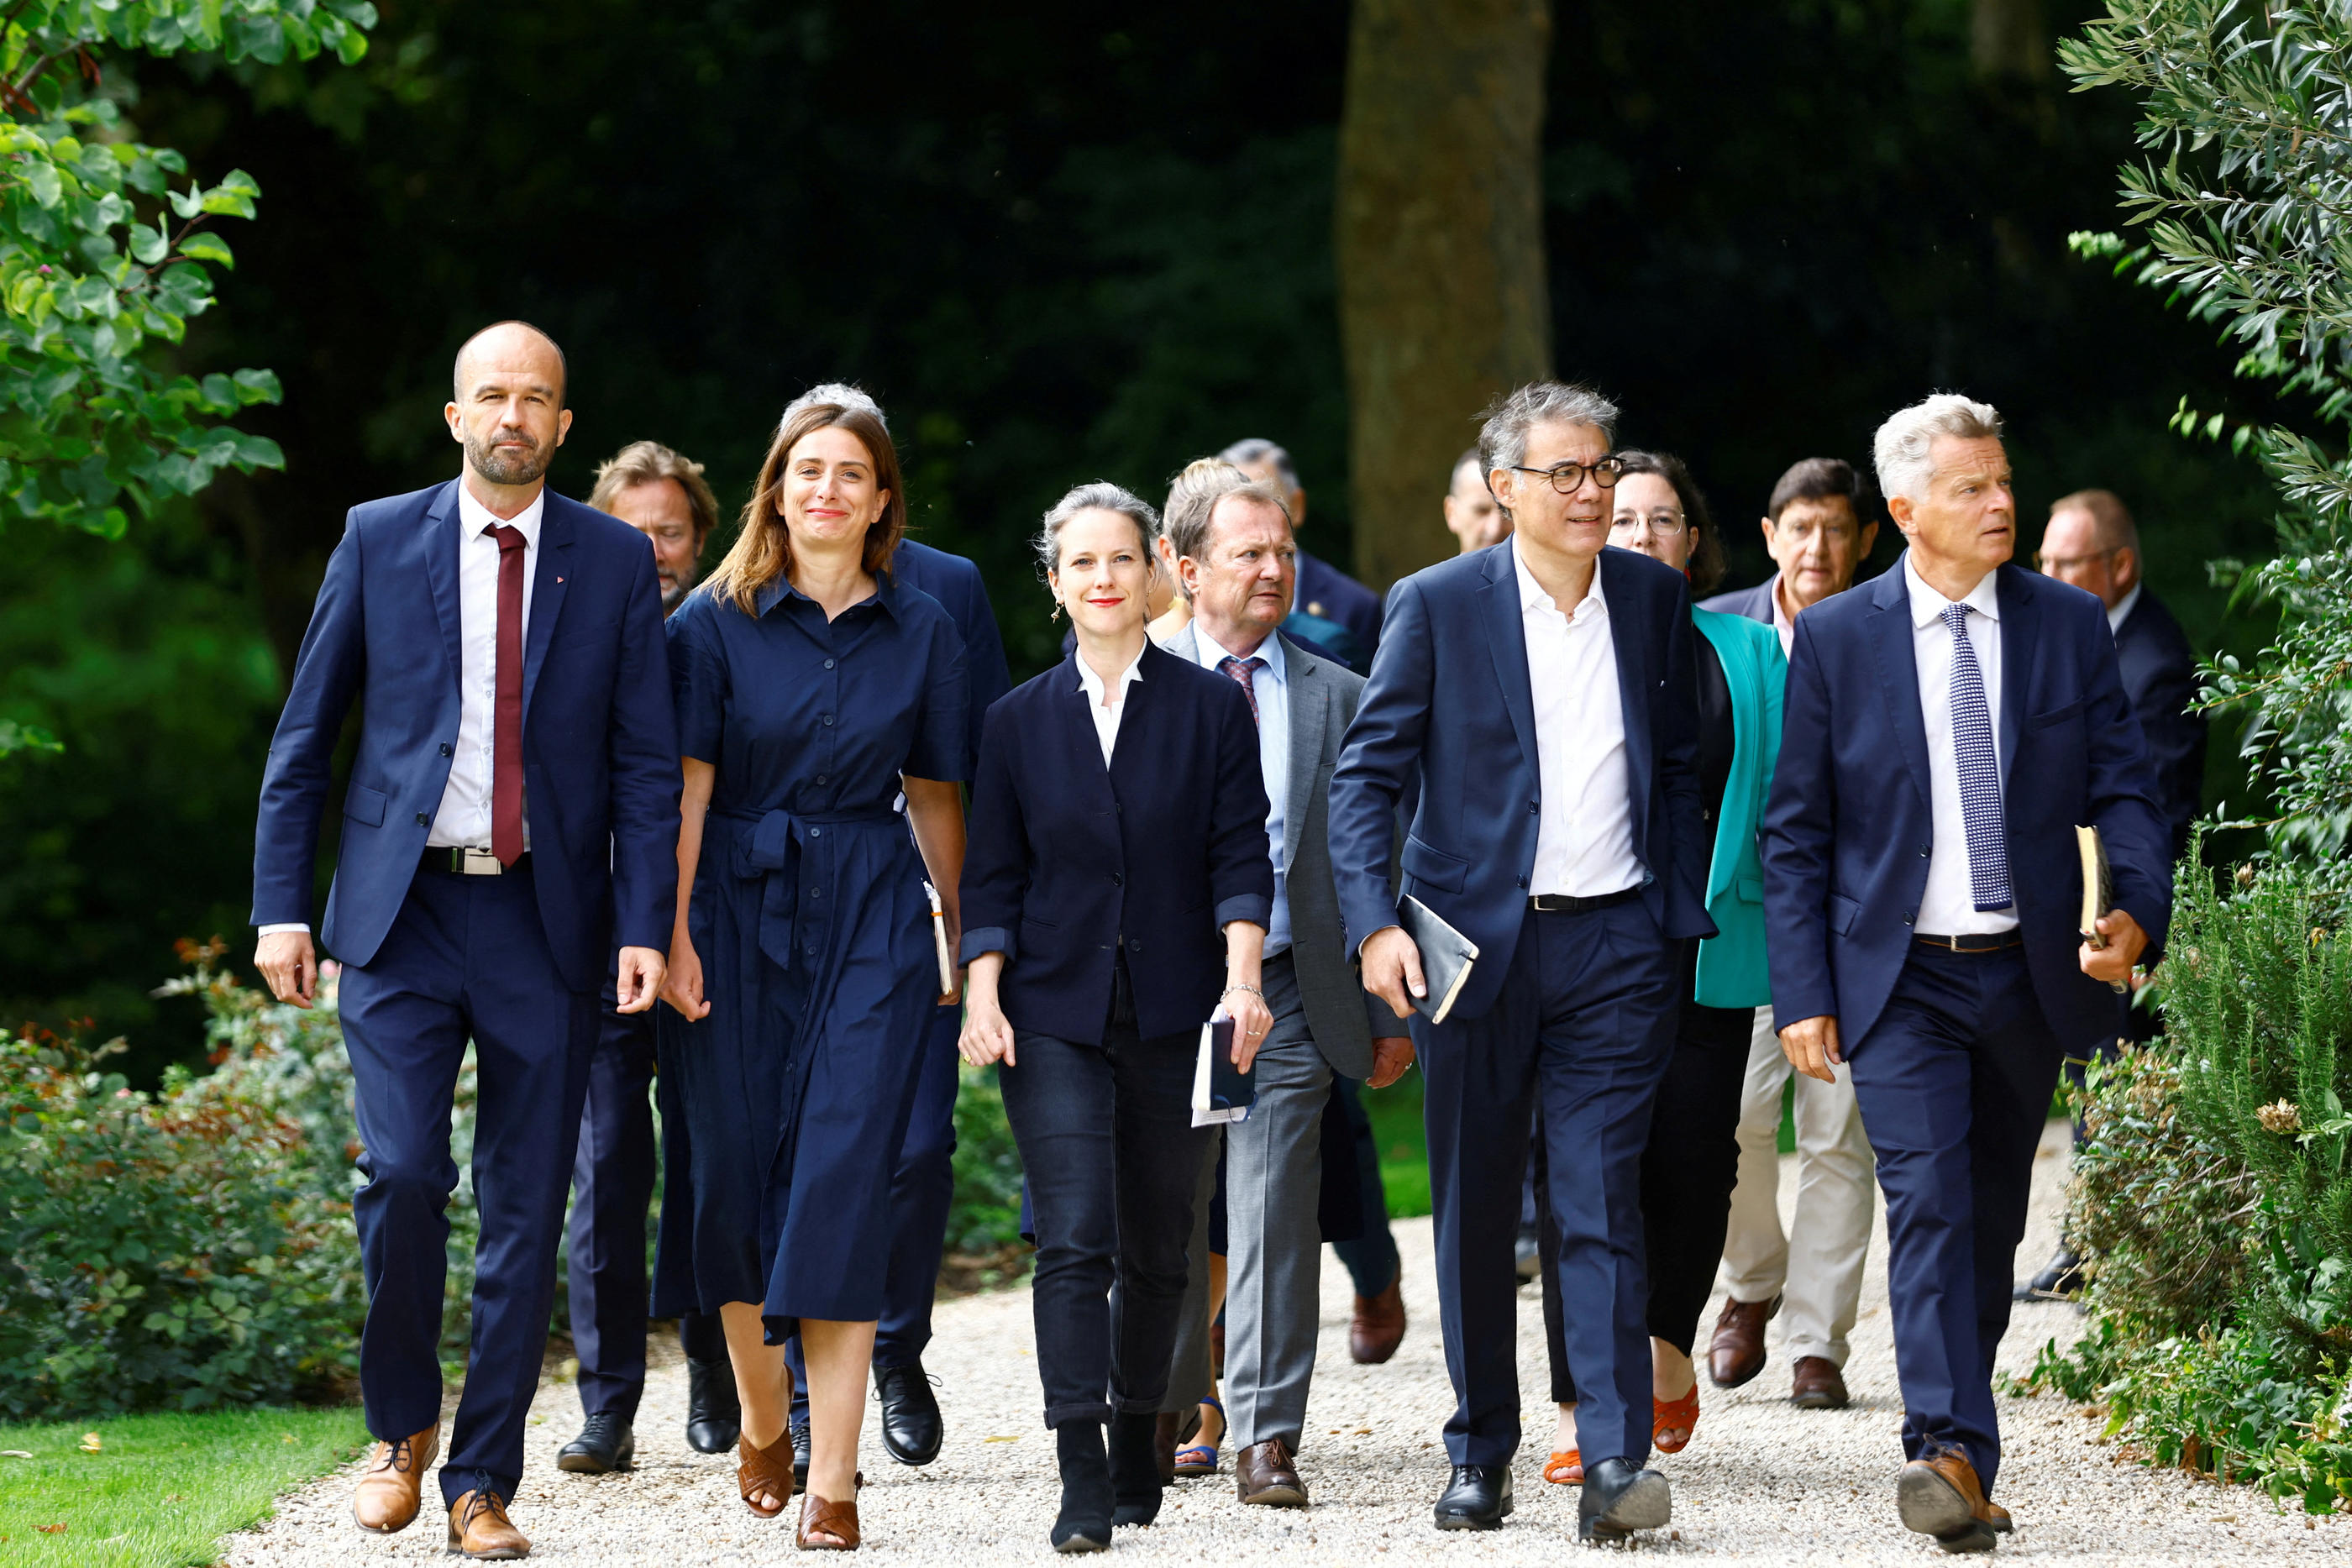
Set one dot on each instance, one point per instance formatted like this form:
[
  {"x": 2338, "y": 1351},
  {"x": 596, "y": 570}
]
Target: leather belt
[
  {"x": 1980, "y": 942},
  {"x": 1561, "y": 904},
  {"x": 470, "y": 860}
]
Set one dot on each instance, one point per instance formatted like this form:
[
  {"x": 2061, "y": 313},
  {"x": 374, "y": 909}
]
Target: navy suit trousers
[
  {"x": 1582, "y": 1030},
  {"x": 466, "y": 957},
  {"x": 1954, "y": 1081},
  {"x": 922, "y": 1188},
  {"x": 613, "y": 1187}
]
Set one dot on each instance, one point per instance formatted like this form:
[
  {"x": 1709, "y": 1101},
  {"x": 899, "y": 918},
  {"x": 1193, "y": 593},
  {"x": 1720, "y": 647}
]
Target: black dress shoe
[
  {"x": 1620, "y": 1499},
  {"x": 798, "y": 1427},
  {"x": 605, "y": 1443},
  {"x": 1477, "y": 1498},
  {"x": 714, "y": 1416},
  {"x": 2061, "y": 1279},
  {"x": 910, "y": 1413}
]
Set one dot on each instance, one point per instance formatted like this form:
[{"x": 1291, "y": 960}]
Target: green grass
[{"x": 160, "y": 1490}]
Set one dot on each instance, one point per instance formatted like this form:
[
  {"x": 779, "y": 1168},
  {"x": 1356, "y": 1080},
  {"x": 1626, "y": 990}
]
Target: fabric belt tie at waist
[{"x": 770, "y": 846}]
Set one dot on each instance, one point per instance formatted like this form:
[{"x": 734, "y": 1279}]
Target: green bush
[
  {"x": 986, "y": 1216},
  {"x": 159, "y": 1251}
]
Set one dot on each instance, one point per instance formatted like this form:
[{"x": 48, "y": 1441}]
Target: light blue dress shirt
[{"x": 1271, "y": 685}]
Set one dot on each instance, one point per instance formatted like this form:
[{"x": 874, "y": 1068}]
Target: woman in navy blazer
[{"x": 1116, "y": 890}]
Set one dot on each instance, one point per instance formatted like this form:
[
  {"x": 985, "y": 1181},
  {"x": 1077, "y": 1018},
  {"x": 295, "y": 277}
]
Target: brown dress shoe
[
  {"x": 1941, "y": 1496},
  {"x": 390, "y": 1492},
  {"x": 1265, "y": 1474},
  {"x": 1820, "y": 1385},
  {"x": 1735, "y": 1354},
  {"x": 1998, "y": 1517},
  {"x": 480, "y": 1528},
  {"x": 1379, "y": 1325}
]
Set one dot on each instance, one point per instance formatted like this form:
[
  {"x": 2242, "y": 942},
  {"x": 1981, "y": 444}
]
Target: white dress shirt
[
  {"x": 2121, "y": 611},
  {"x": 1949, "y": 907},
  {"x": 1271, "y": 685},
  {"x": 1107, "y": 715},
  {"x": 1783, "y": 622},
  {"x": 1584, "y": 837},
  {"x": 463, "y": 816}
]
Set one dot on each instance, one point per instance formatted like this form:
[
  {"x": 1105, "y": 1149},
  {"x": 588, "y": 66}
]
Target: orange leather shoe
[
  {"x": 390, "y": 1493},
  {"x": 1674, "y": 1416},
  {"x": 480, "y": 1528},
  {"x": 1565, "y": 1469}
]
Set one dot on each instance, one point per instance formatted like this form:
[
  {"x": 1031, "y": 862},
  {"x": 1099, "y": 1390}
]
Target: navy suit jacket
[
  {"x": 956, "y": 583},
  {"x": 1849, "y": 828},
  {"x": 1324, "y": 589},
  {"x": 601, "y": 772},
  {"x": 1449, "y": 704},
  {"x": 1756, "y": 604},
  {"x": 1068, "y": 859},
  {"x": 2159, "y": 674}
]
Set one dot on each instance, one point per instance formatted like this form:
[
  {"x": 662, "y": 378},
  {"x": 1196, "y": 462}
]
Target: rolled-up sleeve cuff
[
  {"x": 1253, "y": 907},
  {"x": 987, "y": 939}
]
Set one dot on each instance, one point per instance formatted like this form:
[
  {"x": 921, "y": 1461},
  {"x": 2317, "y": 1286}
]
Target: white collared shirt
[
  {"x": 1271, "y": 685},
  {"x": 1783, "y": 622},
  {"x": 2123, "y": 609},
  {"x": 1584, "y": 835},
  {"x": 1949, "y": 906},
  {"x": 463, "y": 817},
  {"x": 1107, "y": 715}
]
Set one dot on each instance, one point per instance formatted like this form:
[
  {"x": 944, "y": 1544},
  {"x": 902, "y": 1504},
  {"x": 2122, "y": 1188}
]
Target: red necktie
[
  {"x": 506, "y": 728},
  {"x": 1245, "y": 671}
]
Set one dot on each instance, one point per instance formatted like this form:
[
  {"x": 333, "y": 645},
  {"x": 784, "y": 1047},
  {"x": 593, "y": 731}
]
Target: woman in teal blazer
[{"x": 1693, "y": 1158}]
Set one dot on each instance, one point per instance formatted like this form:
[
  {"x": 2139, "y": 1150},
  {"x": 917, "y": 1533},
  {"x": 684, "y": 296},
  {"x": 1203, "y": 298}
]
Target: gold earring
[{"x": 1057, "y": 614}]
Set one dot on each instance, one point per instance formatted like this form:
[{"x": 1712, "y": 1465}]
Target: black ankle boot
[
  {"x": 1134, "y": 1469},
  {"x": 713, "y": 1416},
  {"x": 1085, "y": 1522}
]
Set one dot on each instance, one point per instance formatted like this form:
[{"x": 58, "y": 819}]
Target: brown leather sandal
[
  {"x": 768, "y": 1470},
  {"x": 818, "y": 1517}
]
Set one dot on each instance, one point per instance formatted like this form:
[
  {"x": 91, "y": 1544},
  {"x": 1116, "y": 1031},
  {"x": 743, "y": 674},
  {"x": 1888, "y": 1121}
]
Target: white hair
[
  {"x": 1503, "y": 433},
  {"x": 1904, "y": 446},
  {"x": 840, "y": 392}
]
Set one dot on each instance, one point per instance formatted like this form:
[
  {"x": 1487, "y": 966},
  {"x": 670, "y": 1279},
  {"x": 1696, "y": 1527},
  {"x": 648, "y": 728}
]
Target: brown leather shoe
[
  {"x": 1379, "y": 1325},
  {"x": 390, "y": 1492},
  {"x": 1998, "y": 1517},
  {"x": 1820, "y": 1386},
  {"x": 1941, "y": 1496},
  {"x": 1735, "y": 1354},
  {"x": 827, "y": 1526},
  {"x": 480, "y": 1528},
  {"x": 1265, "y": 1474}
]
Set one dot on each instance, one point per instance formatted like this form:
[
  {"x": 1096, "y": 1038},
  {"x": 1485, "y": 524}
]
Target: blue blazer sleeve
[
  {"x": 1377, "y": 765},
  {"x": 1800, "y": 822},
  {"x": 301, "y": 753},
  {"x": 996, "y": 854},
  {"x": 642, "y": 756}
]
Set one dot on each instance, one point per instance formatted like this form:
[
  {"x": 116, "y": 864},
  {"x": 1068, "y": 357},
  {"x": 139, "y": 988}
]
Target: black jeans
[
  {"x": 1107, "y": 1138},
  {"x": 1688, "y": 1169}
]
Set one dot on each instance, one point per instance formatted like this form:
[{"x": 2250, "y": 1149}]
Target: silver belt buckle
[{"x": 479, "y": 861}]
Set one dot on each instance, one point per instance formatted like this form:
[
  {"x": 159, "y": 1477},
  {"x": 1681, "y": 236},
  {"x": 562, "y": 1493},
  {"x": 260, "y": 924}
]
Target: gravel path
[{"x": 1761, "y": 1482}]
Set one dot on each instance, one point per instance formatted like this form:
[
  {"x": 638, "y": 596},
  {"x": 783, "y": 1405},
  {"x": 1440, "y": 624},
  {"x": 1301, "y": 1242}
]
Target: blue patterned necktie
[{"x": 1979, "y": 772}]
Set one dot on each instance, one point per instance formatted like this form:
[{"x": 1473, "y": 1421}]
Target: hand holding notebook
[{"x": 1221, "y": 1092}]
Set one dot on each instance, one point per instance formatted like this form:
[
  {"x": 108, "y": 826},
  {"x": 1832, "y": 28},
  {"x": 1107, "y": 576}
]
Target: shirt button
[
  {"x": 817, "y": 832},
  {"x": 820, "y": 778},
  {"x": 423, "y": 820},
  {"x": 828, "y": 663},
  {"x": 828, "y": 719},
  {"x": 817, "y": 892}
]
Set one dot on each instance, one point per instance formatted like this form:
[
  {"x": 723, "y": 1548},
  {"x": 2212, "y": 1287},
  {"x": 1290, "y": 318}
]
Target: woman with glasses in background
[{"x": 1693, "y": 1158}]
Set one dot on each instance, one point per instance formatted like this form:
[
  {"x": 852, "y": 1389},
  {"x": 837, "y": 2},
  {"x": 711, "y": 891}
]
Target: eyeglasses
[
  {"x": 1568, "y": 478},
  {"x": 1662, "y": 525},
  {"x": 2052, "y": 565}
]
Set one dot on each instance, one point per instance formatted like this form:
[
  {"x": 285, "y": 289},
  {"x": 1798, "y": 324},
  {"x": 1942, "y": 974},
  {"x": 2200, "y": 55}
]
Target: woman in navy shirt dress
[
  {"x": 1118, "y": 888},
  {"x": 810, "y": 691}
]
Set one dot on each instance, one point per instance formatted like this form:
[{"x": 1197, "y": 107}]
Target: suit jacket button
[
  {"x": 1534, "y": 808},
  {"x": 423, "y": 820},
  {"x": 445, "y": 750},
  {"x": 1927, "y": 852},
  {"x": 1117, "y": 879},
  {"x": 1523, "y": 882},
  {"x": 1907, "y": 916},
  {"x": 1133, "y": 945}
]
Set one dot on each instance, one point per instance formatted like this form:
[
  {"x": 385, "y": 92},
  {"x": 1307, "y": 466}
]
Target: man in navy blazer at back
[
  {"x": 511, "y": 817},
  {"x": 1542, "y": 694},
  {"x": 1948, "y": 726}
]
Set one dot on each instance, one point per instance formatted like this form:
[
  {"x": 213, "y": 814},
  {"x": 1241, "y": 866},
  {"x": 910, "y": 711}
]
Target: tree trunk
[
  {"x": 1439, "y": 219},
  {"x": 2009, "y": 38}
]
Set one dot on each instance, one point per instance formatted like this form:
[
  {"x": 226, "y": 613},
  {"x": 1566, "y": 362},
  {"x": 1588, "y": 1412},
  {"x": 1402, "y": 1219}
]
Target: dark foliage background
[{"x": 1060, "y": 243}]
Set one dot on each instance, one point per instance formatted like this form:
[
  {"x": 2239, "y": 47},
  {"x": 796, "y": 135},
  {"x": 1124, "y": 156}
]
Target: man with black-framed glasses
[{"x": 1542, "y": 693}]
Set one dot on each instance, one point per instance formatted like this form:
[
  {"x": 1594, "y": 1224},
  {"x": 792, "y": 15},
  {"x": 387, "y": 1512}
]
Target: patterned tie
[
  {"x": 506, "y": 725},
  {"x": 1245, "y": 671},
  {"x": 1972, "y": 753}
]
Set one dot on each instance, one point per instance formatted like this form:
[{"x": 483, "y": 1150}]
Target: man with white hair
[{"x": 1947, "y": 726}]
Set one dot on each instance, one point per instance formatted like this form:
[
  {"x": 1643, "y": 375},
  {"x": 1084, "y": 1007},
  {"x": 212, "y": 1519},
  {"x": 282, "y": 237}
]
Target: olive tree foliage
[
  {"x": 2244, "y": 197},
  {"x": 106, "y": 251}
]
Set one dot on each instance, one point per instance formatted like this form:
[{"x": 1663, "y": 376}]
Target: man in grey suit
[{"x": 1239, "y": 565}]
